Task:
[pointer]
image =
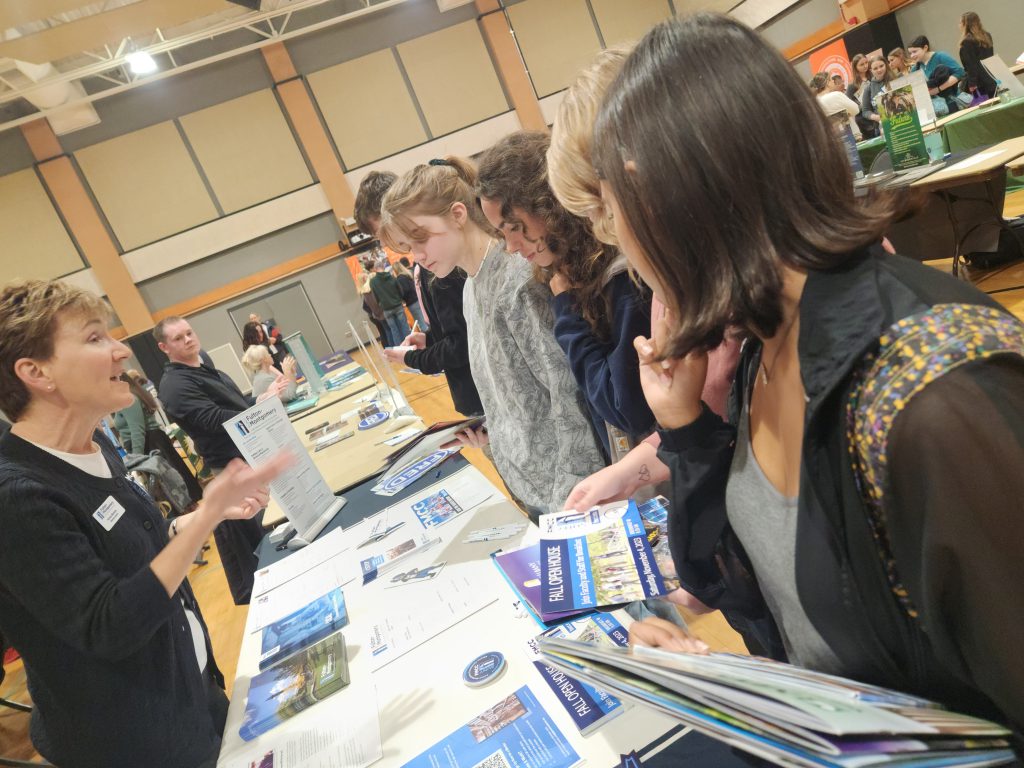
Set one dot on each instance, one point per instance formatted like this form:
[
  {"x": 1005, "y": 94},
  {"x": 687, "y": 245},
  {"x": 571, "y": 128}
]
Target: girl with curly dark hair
[{"x": 599, "y": 309}]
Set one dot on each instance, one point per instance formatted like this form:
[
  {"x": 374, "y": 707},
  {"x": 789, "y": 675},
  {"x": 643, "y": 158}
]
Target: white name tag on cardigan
[{"x": 108, "y": 513}]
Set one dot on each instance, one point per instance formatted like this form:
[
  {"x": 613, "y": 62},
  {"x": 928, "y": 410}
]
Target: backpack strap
[{"x": 911, "y": 354}]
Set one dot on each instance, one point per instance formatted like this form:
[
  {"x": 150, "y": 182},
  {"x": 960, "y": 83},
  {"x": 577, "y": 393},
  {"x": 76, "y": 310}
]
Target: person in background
[
  {"x": 409, "y": 293},
  {"x": 93, "y": 587},
  {"x": 828, "y": 498},
  {"x": 878, "y": 84},
  {"x": 201, "y": 399},
  {"x": 838, "y": 84},
  {"x": 899, "y": 62},
  {"x": 253, "y": 333},
  {"x": 265, "y": 376},
  {"x": 833, "y": 102},
  {"x": 859, "y": 65},
  {"x": 598, "y": 308},
  {"x": 976, "y": 45},
  {"x": 388, "y": 293},
  {"x": 370, "y": 305},
  {"x": 537, "y": 424},
  {"x": 132, "y": 423},
  {"x": 941, "y": 70},
  {"x": 271, "y": 337}
]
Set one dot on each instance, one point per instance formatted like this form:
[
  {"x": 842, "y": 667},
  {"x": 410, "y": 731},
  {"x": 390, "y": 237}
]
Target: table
[
  {"x": 420, "y": 696},
  {"x": 331, "y": 396},
  {"x": 349, "y": 461},
  {"x": 978, "y": 181}
]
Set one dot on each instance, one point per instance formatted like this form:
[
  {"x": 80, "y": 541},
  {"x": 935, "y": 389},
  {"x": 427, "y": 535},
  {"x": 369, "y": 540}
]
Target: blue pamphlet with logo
[
  {"x": 500, "y": 737},
  {"x": 589, "y": 707},
  {"x": 597, "y": 557}
]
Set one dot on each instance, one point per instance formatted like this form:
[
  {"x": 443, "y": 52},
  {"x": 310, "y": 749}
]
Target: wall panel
[
  {"x": 367, "y": 107},
  {"x": 557, "y": 38},
  {"x": 147, "y": 184},
  {"x": 35, "y": 243},
  {"x": 627, "y": 22},
  {"x": 246, "y": 150},
  {"x": 454, "y": 55}
]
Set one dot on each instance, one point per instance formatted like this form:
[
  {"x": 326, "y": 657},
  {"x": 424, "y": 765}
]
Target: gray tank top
[{"x": 765, "y": 522}]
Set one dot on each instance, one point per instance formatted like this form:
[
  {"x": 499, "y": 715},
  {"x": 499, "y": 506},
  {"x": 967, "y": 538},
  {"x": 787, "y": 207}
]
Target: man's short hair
[
  {"x": 371, "y": 192},
  {"x": 159, "y": 330}
]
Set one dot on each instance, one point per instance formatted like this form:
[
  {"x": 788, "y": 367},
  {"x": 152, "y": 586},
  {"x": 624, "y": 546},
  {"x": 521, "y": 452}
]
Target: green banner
[{"x": 903, "y": 136}]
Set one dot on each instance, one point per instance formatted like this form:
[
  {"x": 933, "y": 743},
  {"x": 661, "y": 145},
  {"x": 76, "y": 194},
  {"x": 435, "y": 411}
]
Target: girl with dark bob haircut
[{"x": 865, "y": 493}]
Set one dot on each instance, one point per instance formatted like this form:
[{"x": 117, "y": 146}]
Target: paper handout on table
[
  {"x": 320, "y": 738},
  {"x": 371, "y": 567},
  {"x": 783, "y": 713},
  {"x": 312, "y": 622},
  {"x": 589, "y": 707},
  {"x": 499, "y": 736},
  {"x": 323, "y": 549},
  {"x": 434, "y": 607},
  {"x": 303, "y": 589},
  {"x": 597, "y": 557},
  {"x": 448, "y": 499}
]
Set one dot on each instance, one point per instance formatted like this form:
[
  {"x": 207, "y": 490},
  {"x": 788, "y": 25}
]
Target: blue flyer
[
  {"x": 594, "y": 558},
  {"x": 514, "y": 733}
]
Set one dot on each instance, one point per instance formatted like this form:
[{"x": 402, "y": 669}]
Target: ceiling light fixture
[{"x": 141, "y": 63}]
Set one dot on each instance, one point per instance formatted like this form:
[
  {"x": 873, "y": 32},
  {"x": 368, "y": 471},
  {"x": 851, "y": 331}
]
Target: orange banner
[{"x": 832, "y": 59}]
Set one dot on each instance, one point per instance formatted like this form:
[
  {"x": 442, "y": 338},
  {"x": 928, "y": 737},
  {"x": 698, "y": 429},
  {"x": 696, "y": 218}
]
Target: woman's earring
[{"x": 611, "y": 216}]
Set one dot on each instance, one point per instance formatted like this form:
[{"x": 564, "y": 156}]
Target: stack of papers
[{"x": 788, "y": 715}]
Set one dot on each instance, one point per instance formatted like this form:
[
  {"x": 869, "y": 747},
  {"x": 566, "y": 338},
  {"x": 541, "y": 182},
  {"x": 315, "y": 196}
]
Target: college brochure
[
  {"x": 521, "y": 569},
  {"x": 597, "y": 557},
  {"x": 785, "y": 714},
  {"x": 500, "y": 737},
  {"x": 295, "y": 684},
  {"x": 312, "y": 622},
  {"x": 421, "y": 454},
  {"x": 589, "y": 707}
]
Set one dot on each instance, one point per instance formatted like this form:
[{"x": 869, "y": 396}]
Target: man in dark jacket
[{"x": 200, "y": 399}]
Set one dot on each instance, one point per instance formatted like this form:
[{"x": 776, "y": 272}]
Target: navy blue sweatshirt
[{"x": 607, "y": 370}]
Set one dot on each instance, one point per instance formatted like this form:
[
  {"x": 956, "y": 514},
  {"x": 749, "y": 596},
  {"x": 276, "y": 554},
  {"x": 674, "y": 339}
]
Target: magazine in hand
[
  {"x": 426, "y": 445},
  {"x": 372, "y": 567},
  {"x": 312, "y": 622},
  {"x": 295, "y": 684},
  {"x": 597, "y": 557},
  {"x": 785, "y": 714},
  {"x": 589, "y": 707},
  {"x": 521, "y": 569}
]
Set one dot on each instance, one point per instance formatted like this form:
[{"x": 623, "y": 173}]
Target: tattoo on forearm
[{"x": 645, "y": 474}]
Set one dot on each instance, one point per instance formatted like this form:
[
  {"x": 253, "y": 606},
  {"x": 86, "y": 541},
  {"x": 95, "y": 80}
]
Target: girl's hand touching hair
[{"x": 671, "y": 386}]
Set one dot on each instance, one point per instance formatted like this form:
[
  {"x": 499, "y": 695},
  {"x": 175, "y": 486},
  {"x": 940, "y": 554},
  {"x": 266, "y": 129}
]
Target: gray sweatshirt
[{"x": 540, "y": 433}]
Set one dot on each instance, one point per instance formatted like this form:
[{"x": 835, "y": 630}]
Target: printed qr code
[{"x": 497, "y": 760}]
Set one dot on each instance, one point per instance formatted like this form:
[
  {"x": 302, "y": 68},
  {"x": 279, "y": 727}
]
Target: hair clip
[{"x": 438, "y": 161}]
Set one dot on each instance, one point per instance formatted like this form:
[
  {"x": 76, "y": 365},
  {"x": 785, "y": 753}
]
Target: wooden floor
[{"x": 430, "y": 398}]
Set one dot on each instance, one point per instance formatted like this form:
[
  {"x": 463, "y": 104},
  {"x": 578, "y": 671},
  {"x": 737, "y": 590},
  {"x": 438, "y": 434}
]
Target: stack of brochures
[
  {"x": 785, "y": 714},
  {"x": 521, "y": 569},
  {"x": 312, "y": 622},
  {"x": 296, "y": 683},
  {"x": 374, "y": 566}
]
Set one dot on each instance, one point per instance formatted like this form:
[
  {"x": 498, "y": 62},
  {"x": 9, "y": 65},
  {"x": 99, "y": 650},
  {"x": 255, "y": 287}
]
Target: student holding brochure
[{"x": 828, "y": 499}]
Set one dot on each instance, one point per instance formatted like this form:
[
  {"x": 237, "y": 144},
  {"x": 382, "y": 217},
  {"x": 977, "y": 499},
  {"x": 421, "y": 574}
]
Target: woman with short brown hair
[{"x": 92, "y": 593}]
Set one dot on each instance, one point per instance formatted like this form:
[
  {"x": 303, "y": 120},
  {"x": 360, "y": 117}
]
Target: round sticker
[
  {"x": 373, "y": 420},
  {"x": 484, "y": 669}
]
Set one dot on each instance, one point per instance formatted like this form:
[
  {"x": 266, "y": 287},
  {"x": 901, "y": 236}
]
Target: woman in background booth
[
  {"x": 92, "y": 593},
  {"x": 833, "y": 102},
  {"x": 132, "y": 423},
  {"x": 899, "y": 62},
  {"x": 942, "y": 72},
  {"x": 537, "y": 424},
  {"x": 975, "y": 46},
  {"x": 598, "y": 308},
  {"x": 828, "y": 498},
  {"x": 878, "y": 84},
  {"x": 252, "y": 333},
  {"x": 265, "y": 377}
]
